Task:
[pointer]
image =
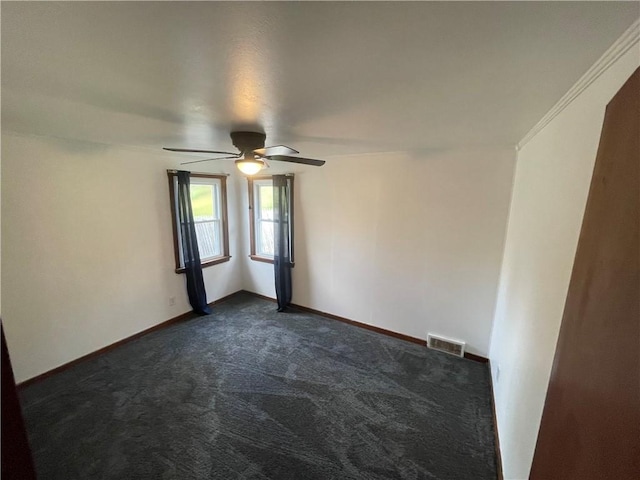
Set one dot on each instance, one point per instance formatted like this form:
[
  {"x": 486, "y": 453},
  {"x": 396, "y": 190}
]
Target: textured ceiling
[{"x": 326, "y": 78}]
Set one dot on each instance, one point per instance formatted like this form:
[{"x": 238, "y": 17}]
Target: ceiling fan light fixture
[
  {"x": 253, "y": 154},
  {"x": 249, "y": 166}
]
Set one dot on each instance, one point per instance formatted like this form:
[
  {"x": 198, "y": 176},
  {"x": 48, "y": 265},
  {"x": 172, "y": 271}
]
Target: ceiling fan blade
[
  {"x": 210, "y": 159},
  {"x": 275, "y": 150},
  {"x": 190, "y": 150},
  {"x": 304, "y": 161}
]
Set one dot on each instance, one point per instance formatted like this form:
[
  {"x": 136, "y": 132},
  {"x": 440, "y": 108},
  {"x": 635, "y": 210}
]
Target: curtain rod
[{"x": 170, "y": 170}]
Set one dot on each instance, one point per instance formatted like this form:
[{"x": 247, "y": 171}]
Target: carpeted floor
[{"x": 254, "y": 394}]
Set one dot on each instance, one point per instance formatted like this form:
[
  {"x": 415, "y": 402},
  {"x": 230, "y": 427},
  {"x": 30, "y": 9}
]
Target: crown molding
[{"x": 628, "y": 39}]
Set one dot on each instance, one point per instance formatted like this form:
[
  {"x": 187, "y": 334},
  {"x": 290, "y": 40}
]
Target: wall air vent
[{"x": 445, "y": 345}]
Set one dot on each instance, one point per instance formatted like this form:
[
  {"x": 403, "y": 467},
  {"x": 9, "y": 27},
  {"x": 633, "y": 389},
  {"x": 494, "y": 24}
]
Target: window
[
  {"x": 209, "y": 205},
  {"x": 261, "y": 222}
]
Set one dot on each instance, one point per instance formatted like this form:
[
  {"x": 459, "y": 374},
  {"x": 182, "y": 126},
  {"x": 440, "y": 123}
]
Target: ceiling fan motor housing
[
  {"x": 247, "y": 142},
  {"x": 252, "y": 151}
]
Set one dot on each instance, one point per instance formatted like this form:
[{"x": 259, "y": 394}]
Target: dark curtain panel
[
  {"x": 283, "y": 236},
  {"x": 191, "y": 256}
]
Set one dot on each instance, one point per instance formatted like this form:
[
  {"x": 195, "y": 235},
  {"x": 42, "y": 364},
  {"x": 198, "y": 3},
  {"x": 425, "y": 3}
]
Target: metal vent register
[{"x": 445, "y": 345}]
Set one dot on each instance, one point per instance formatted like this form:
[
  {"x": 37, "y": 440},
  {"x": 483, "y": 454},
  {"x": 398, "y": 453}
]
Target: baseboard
[
  {"x": 384, "y": 331},
  {"x": 190, "y": 315},
  {"x": 475, "y": 358},
  {"x": 495, "y": 427},
  {"x": 180, "y": 318}
]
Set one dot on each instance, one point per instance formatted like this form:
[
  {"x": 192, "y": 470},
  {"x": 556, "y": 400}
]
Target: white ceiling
[{"x": 326, "y": 78}]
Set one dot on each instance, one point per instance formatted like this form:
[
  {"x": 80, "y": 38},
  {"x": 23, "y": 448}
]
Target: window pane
[
  {"x": 262, "y": 212},
  {"x": 264, "y": 219},
  {"x": 202, "y": 202},
  {"x": 265, "y": 195},
  {"x": 205, "y": 205},
  {"x": 265, "y": 238},
  {"x": 209, "y": 212},
  {"x": 209, "y": 239}
]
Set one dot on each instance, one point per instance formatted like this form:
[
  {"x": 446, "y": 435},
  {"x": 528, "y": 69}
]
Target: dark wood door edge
[
  {"x": 180, "y": 318},
  {"x": 17, "y": 461}
]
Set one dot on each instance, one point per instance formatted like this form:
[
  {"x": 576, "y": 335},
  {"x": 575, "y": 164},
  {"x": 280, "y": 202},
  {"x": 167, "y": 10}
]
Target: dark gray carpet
[{"x": 251, "y": 393}]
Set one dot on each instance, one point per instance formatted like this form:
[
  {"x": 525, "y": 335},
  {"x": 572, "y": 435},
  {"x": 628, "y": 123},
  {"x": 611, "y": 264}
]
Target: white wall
[
  {"x": 550, "y": 190},
  {"x": 87, "y": 248},
  {"x": 87, "y": 245},
  {"x": 403, "y": 243},
  {"x": 0, "y": 226}
]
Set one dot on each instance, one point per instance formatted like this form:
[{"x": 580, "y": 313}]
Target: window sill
[
  {"x": 209, "y": 263},
  {"x": 266, "y": 260},
  {"x": 261, "y": 259}
]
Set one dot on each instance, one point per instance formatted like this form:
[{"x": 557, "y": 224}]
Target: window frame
[
  {"x": 252, "y": 217},
  {"x": 224, "y": 220}
]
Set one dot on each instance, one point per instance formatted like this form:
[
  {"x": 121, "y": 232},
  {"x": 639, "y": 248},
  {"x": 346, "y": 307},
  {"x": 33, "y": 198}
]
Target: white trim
[{"x": 628, "y": 39}]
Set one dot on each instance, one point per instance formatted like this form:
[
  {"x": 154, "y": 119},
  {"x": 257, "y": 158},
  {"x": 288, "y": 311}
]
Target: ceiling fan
[{"x": 253, "y": 154}]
